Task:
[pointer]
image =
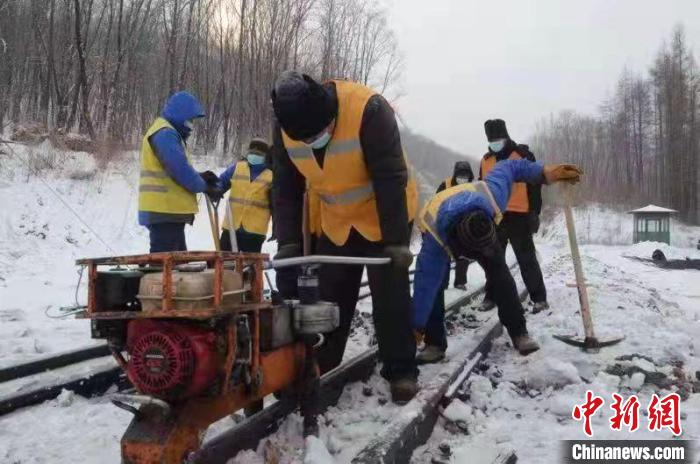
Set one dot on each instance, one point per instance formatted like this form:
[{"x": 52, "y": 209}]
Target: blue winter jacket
[
  {"x": 167, "y": 146},
  {"x": 433, "y": 261}
]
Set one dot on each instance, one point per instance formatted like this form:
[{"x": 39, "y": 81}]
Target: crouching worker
[
  {"x": 460, "y": 222},
  {"x": 168, "y": 184},
  {"x": 249, "y": 202}
]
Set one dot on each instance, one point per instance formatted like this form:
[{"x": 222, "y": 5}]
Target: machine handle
[{"x": 325, "y": 259}]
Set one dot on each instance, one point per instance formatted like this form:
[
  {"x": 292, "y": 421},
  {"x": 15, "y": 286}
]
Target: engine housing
[{"x": 171, "y": 360}]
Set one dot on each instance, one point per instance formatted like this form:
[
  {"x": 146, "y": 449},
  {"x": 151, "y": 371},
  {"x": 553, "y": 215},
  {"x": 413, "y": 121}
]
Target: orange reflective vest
[
  {"x": 518, "y": 202},
  {"x": 249, "y": 200},
  {"x": 341, "y": 195},
  {"x": 448, "y": 182}
]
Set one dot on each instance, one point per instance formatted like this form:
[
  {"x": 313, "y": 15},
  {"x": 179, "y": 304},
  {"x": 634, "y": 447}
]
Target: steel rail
[{"x": 248, "y": 433}]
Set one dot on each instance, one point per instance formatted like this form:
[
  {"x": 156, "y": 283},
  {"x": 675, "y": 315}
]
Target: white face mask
[
  {"x": 189, "y": 124},
  {"x": 462, "y": 180},
  {"x": 321, "y": 141},
  {"x": 497, "y": 145}
]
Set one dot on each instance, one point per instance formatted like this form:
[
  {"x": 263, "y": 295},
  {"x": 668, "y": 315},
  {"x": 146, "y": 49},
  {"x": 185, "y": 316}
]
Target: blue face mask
[
  {"x": 255, "y": 159},
  {"x": 321, "y": 141},
  {"x": 497, "y": 145}
]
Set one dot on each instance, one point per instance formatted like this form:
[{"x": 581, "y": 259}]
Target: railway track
[
  {"x": 88, "y": 372},
  {"x": 43, "y": 379},
  {"x": 398, "y": 438}
]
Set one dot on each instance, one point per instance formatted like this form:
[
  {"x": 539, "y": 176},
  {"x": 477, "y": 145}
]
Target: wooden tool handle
[
  {"x": 213, "y": 223},
  {"x": 578, "y": 268}
]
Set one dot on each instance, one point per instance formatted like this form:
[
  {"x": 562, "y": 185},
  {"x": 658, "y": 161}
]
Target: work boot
[
  {"x": 431, "y": 354},
  {"x": 486, "y": 305},
  {"x": 525, "y": 344},
  {"x": 403, "y": 390},
  {"x": 539, "y": 306},
  {"x": 461, "y": 287}
]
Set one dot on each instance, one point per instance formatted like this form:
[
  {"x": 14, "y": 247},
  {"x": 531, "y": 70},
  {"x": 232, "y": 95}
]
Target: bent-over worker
[{"x": 461, "y": 222}]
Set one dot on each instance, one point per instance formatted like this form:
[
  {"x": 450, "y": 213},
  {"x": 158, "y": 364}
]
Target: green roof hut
[{"x": 652, "y": 224}]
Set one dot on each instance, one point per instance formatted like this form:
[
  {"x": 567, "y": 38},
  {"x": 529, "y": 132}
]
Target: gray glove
[
  {"x": 286, "y": 278},
  {"x": 288, "y": 250},
  {"x": 400, "y": 255}
]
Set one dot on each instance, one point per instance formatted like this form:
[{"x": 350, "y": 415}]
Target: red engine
[{"x": 171, "y": 360}]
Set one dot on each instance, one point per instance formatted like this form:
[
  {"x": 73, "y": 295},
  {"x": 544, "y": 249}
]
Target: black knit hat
[
  {"x": 476, "y": 233},
  {"x": 496, "y": 129},
  {"x": 463, "y": 169},
  {"x": 303, "y": 107},
  {"x": 259, "y": 146}
]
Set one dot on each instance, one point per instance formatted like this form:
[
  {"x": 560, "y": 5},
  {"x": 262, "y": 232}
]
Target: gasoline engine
[{"x": 198, "y": 341}]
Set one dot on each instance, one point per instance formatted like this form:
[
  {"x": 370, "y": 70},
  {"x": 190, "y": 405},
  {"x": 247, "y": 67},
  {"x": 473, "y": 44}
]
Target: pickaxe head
[{"x": 588, "y": 344}]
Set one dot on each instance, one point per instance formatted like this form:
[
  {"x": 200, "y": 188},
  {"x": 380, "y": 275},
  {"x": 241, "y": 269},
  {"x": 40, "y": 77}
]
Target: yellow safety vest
[
  {"x": 249, "y": 200},
  {"x": 518, "y": 201},
  {"x": 157, "y": 191},
  {"x": 341, "y": 195},
  {"x": 427, "y": 221}
]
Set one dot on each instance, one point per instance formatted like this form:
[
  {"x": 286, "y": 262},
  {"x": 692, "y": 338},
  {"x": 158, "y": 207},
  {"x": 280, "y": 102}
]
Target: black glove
[
  {"x": 214, "y": 193},
  {"x": 534, "y": 223},
  {"x": 210, "y": 178},
  {"x": 286, "y": 278},
  {"x": 400, "y": 255}
]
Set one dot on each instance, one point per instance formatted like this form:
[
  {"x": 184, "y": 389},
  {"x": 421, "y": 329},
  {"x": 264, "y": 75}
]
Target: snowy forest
[
  {"x": 104, "y": 67},
  {"x": 643, "y": 145}
]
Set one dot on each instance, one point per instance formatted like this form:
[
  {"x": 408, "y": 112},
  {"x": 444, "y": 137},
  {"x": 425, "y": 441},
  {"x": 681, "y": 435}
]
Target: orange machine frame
[{"x": 158, "y": 437}]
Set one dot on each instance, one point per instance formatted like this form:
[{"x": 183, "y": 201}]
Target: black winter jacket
[
  {"x": 534, "y": 191},
  {"x": 381, "y": 147}
]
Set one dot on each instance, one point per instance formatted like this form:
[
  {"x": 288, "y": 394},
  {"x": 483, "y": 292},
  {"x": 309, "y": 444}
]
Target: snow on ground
[
  {"x": 525, "y": 404},
  {"x": 40, "y": 239},
  {"x": 601, "y": 225},
  {"x": 514, "y": 403}
]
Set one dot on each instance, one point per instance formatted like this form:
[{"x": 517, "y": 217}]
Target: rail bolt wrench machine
[{"x": 197, "y": 341}]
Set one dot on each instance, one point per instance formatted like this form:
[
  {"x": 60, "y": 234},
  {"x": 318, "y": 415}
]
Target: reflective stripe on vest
[
  {"x": 248, "y": 202},
  {"x": 448, "y": 182},
  {"x": 518, "y": 201},
  {"x": 341, "y": 195},
  {"x": 157, "y": 191},
  {"x": 429, "y": 214}
]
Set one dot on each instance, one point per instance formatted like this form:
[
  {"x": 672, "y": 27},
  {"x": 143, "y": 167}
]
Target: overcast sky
[{"x": 520, "y": 60}]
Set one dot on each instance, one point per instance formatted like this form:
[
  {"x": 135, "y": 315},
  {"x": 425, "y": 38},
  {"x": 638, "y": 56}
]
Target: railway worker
[
  {"x": 521, "y": 217},
  {"x": 168, "y": 183},
  {"x": 340, "y": 140},
  {"x": 248, "y": 210},
  {"x": 461, "y": 222},
  {"x": 462, "y": 174}
]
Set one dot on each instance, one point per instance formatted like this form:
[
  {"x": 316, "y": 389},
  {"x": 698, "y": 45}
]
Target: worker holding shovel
[
  {"x": 460, "y": 222},
  {"x": 248, "y": 210}
]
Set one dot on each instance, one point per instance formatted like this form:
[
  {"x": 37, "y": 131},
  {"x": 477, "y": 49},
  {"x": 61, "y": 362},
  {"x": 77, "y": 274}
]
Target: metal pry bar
[{"x": 325, "y": 259}]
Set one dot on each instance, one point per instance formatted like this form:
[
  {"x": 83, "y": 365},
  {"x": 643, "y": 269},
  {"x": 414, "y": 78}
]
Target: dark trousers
[
  {"x": 246, "y": 241},
  {"x": 510, "y": 310},
  {"x": 435, "y": 331},
  {"x": 390, "y": 302},
  {"x": 167, "y": 236},
  {"x": 515, "y": 228},
  {"x": 461, "y": 267}
]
